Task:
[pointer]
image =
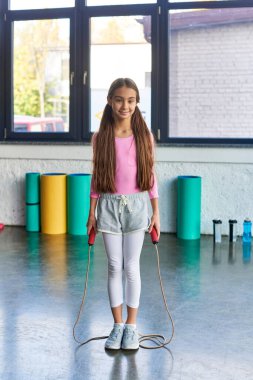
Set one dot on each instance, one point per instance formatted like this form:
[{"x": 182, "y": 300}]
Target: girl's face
[{"x": 123, "y": 103}]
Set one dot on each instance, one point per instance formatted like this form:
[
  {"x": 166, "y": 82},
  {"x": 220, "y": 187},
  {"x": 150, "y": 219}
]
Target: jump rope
[{"x": 158, "y": 339}]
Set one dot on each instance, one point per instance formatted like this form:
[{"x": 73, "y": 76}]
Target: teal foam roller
[
  {"x": 78, "y": 202},
  {"x": 32, "y": 188},
  {"x": 33, "y": 218},
  {"x": 188, "y": 207}
]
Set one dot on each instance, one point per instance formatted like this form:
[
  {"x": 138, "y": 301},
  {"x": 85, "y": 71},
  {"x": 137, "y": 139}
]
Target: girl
[{"x": 123, "y": 177}]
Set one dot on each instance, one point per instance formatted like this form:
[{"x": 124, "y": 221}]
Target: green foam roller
[
  {"x": 32, "y": 188},
  {"x": 188, "y": 207},
  {"x": 78, "y": 202},
  {"x": 33, "y": 218}
]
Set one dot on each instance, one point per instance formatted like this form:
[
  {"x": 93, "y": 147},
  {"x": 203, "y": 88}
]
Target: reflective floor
[{"x": 209, "y": 292}]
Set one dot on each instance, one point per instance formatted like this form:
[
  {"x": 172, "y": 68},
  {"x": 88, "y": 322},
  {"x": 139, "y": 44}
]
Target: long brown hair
[{"x": 104, "y": 157}]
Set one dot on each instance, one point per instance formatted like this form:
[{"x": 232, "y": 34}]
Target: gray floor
[{"x": 210, "y": 295}]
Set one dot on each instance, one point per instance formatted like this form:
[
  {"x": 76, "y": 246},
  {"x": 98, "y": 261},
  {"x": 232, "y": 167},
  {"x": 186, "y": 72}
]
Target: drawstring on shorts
[{"x": 124, "y": 202}]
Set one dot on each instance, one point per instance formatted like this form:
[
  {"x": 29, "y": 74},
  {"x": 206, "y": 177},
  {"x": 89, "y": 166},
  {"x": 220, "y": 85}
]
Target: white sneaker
[
  {"x": 130, "y": 339},
  {"x": 113, "y": 342}
]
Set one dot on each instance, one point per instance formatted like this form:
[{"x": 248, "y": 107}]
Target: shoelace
[
  {"x": 130, "y": 333},
  {"x": 115, "y": 332}
]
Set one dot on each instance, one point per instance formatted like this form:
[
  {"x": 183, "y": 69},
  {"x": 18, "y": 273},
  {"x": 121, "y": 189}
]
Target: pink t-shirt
[{"x": 126, "y": 169}]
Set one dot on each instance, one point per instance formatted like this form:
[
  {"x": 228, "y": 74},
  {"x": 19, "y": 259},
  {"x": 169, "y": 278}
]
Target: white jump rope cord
[{"x": 158, "y": 339}]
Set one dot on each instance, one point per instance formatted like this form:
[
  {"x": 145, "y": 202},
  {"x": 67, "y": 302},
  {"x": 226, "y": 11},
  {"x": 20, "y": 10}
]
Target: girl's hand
[
  {"x": 155, "y": 222},
  {"x": 91, "y": 223}
]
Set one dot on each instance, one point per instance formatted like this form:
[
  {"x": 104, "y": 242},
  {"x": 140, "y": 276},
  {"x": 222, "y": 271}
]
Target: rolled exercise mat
[
  {"x": 78, "y": 202},
  {"x": 32, "y": 188},
  {"x": 32, "y": 198},
  {"x": 53, "y": 203},
  {"x": 32, "y": 218},
  {"x": 188, "y": 207}
]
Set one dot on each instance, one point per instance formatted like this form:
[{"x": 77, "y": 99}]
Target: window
[
  {"x": 115, "y": 41},
  {"x": 2, "y": 89},
  {"x": 118, "y": 2},
  {"x": 190, "y": 1},
  {"x": 40, "y": 4},
  {"x": 40, "y": 90},
  {"x": 211, "y": 73}
]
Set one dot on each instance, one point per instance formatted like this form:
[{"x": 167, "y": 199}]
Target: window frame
[
  {"x": 27, "y": 15},
  {"x": 112, "y": 11},
  {"x": 195, "y": 141},
  {"x": 79, "y": 16},
  {"x": 2, "y": 69}
]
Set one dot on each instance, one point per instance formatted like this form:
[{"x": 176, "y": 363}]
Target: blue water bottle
[{"x": 246, "y": 238}]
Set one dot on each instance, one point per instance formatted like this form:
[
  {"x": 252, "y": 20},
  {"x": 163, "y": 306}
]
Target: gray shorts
[{"x": 122, "y": 214}]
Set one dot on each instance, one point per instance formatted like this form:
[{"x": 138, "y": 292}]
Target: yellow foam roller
[{"x": 53, "y": 203}]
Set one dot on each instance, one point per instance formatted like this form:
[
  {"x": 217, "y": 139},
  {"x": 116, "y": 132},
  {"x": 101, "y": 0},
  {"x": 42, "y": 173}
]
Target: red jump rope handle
[
  {"x": 92, "y": 236},
  {"x": 154, "y": 236}
]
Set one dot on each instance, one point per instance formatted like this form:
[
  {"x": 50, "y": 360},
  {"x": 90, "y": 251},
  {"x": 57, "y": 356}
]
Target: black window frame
[
  {"x": 120, "y": 10},
  {"x": 27, "y": 15},
  {"x": 220, "y": 4},
  {"x": 2, "y": 69},
  {"x": 79, "y": 15}
]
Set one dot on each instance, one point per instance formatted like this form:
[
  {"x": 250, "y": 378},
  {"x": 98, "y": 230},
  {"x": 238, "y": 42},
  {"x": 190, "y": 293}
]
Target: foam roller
[
  {"x": 188, "y": 207},
  {"x": 32, "y": 195},
  {"x": 32, "y": 189},
  {"x": 33, "y": 218},
  {"x": 53, "y": 203},
  {"x": 78, "y": 202}
]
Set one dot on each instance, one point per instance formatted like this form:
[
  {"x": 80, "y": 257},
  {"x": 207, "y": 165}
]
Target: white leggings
[{"x": 123, "y": 252}]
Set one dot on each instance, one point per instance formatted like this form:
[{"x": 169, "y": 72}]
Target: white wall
[{"x": 227, "y": 179}]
